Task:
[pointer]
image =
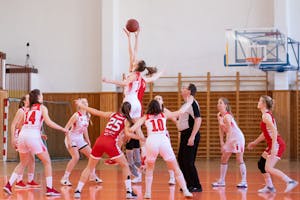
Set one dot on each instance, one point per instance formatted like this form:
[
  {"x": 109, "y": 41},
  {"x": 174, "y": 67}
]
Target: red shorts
[
  {"x": 108, "y": 145},
  {"x": 280, "y": 147}
]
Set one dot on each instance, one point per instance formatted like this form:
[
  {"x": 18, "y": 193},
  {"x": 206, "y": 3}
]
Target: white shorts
[
  {"x": 30, "y": 140},
  {"x": 159, "y": 144},
  {"x": 136, "y": 107},
  {"x": 77, "y": 140},
  {"x": 235, "y": 144}
]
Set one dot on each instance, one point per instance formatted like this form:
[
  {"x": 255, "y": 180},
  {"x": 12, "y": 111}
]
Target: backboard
[{"x": 268, "y": 45}]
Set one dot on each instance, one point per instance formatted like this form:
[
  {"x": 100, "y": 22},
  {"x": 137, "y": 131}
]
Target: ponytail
[{"x": 125, "y": 109}]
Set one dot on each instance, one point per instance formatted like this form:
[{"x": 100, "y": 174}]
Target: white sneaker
[
  {"x": 218, "y": 184},
  {"x": 77, "y": 194},
  {"x": 96, "y": 179},
  {"x": 242, "y": 185},
  {"x": 65, "y": 182},
  {"x": 172, "y": 181},
  {"x": 290, "y": 185},
  {"x": 137, "y": 179},
  {"x": 267, "y": 189},
  {"x": 147, "y": 196},
  {"x": 187, "y": 194}
]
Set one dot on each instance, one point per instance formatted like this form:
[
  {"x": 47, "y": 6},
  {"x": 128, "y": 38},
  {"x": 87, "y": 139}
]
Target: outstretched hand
[
  {"x": 136, "y": 34},
  {"x": 126, "y": 32}
]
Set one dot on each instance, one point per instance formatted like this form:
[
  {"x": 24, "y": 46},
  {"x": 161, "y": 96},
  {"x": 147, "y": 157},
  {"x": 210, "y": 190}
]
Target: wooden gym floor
[{"x": 113, "y": 187}]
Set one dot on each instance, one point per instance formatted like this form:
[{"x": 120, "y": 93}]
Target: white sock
[
  {"x": 171, "y": 173},
  {"x": 128, "y": 184},
  {"x": 143, "y": 151},
  {"x": 268, "y": 180},
  {"x": 20, "y": 178},
  {"x": 243, "y": 172},
  {"x": 13, "y": 178},
  {"x": 30, "y": 177},
  {"x": 148, "y": 179},
  {"x": 79, "y": 186},
  {"x": 181, "y": 182},
  {"x": 49, "y": 181},
  {"x": 66, "y": 175},
  {"x": 223, "y": 171}
]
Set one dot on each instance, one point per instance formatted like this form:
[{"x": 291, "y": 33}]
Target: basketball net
[{"x": 254, "y": 62}]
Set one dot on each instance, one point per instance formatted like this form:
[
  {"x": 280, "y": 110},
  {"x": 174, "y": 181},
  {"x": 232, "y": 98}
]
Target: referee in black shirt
[{"x": 189, "y": 124}]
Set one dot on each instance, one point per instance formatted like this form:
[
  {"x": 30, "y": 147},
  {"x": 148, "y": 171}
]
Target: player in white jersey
[
  {"x": 161, "y": 103},
  {"x": 235, "y": 143},
  {"x": 78, "y": 141},
  {"x": 157, "y": 142},
  {"x": 16, "y": 126},
  {"x": 30, "y": 141}
]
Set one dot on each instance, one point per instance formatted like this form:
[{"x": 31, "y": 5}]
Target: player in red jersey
[
  {"x": 108, "y": 143},
  {"x": 157, "y": 142},
  {"x": 78, "y": 141},
  {"x": 274, "y": 150},
  {"x": 30, "y": 141},
  {"x": 16, "y": 126}
]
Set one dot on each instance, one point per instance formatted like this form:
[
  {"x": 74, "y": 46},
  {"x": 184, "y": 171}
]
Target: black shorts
[{"x": 133, "y": 144}]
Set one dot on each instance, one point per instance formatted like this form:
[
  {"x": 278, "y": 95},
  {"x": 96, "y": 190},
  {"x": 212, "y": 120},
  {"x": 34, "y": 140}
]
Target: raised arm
[
  {"x": 93, "y": 111},
  {"x": 183, "y": 108},
  {"x": 154, "y": 77},
  {"x": 131, "y": 77}
]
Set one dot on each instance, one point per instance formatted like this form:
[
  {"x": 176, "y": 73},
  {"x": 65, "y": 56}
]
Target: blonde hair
[
  {"x": 226, "y": 102},
  {"x": 268, "y": 101}
]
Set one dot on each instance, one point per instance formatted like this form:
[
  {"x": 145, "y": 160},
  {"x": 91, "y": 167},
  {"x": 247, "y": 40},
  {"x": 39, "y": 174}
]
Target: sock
[
  {"x": 66, "y": 175},
  {"x": 148, "y": 179},
  {"x": 20, "y": 178},
  {"x": 181, "y": 182},
  {"x": 79, "y": 186},
  {"x": 223, "y": 171},
  {"x": 49, "y": 181},
  {"x": 243, "y": 172},
  {"x": 137, "y": 157},
  {"x": 93, "y": 174},
  {"x": 128, "y": 184},
  {"x": 30, "y": 177},
  {"x": 268, "y": 180},
  {"x": 171, "y": 173},
  {"x": 13, "y": 178}
]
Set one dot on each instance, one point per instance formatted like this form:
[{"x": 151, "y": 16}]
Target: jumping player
[
  {"x": 235, "y": 143},
  {"x": 78, "y": 141},
  {"x": 274, "y": 150}
]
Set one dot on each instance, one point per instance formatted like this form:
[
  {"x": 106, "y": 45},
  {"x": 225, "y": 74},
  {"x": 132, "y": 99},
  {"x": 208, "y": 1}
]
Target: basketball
[{"x": 132, "y": 25}]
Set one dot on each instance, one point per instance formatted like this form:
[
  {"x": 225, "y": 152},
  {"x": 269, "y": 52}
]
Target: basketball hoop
[{"x": 254, "y": 61}]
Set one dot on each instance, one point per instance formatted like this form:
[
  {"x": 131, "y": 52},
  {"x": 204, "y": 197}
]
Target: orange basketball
[{"x": 132, "y": 25}]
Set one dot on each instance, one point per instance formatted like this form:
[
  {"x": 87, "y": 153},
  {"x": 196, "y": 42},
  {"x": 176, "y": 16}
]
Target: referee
[{"x": 188, "y": 125}]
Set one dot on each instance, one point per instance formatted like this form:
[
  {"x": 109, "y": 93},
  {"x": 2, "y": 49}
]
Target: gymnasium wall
[
  {"x": 64, "y": 41},
  {"x": 65, "y": 36}
]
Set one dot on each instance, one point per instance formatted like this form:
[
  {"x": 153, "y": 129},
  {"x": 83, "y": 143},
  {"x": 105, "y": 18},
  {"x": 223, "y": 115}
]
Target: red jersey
[
  {"x": 267, "y": 133},
  {"x": 115, "y": 126}
]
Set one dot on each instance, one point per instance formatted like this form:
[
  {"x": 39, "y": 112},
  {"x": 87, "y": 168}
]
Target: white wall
[
  {"x": 189, "y": 36},
  {"x": 65, "y": 41},
  {"x": 181, "y": 36}
]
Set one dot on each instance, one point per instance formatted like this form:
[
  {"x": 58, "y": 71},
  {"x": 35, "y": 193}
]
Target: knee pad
[{"x": 261, "y": 165}]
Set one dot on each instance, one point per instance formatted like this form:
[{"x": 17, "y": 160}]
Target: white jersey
[
  {"x": 235, "y": 141},
  {"x": 33, "y": 118},
  {"x": 156, "y": 124},
  {"x": 81, "y": 124}
]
